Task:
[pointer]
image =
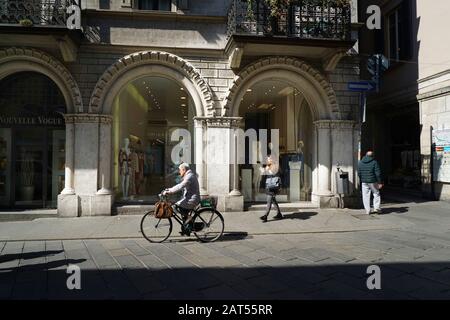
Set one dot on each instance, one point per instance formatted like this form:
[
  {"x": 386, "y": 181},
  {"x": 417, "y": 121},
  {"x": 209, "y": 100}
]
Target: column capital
[
  {"x": 220, "y": 122},
  {"x": 323, "y": 124},
  {"x": 343, "y": 124},
  {"x": 335, "y": 124},
  {"x": 88, "y": 118}
]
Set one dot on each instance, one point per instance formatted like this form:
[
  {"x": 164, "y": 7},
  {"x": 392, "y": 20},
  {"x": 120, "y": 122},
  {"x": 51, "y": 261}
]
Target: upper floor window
[
  {"x": 161, "y": 5},
  {"x": 399, "y": 31}
]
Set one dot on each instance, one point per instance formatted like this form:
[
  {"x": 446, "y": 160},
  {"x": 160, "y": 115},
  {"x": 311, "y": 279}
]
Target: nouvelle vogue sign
[
  {"x": 31, "y": 121},
  {"x": 74, "y": 18}
]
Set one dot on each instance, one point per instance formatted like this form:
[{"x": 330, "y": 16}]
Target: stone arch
[
  {"x": 13, "y": 60},
  {"x": 316, "y": 89},
  {"x": 143, "y": 63}
]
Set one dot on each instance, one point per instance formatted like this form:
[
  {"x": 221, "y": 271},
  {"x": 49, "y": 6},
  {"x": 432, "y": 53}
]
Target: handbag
[
  {"x": 273, "y": 183},
  {"x": 163, "y": 210}
]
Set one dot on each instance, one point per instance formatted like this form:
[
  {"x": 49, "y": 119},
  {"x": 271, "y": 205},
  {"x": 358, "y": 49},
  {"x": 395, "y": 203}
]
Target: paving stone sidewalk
[
  {"x": 318, "y": 257},
  {"x": 127, "y": 226}
]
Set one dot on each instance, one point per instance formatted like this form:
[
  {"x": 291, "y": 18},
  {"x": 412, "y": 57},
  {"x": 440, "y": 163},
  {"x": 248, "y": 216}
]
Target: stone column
[
  {"x": 343, "y": 150},
  {"x": 218, "y": 162},
  {"x": 235, "y": 160},
  {"x": 67, "y": 200},
  {"x": 199, "y": 154},
  {"x": 70, "y": 142},
  {"x": 323, "y": 148},
  {"x": 105, "y": 160},
  {"x": 90, "y": 140}
]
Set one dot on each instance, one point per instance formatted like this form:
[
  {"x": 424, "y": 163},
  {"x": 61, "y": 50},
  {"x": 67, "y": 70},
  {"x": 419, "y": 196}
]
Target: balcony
[
  {"x": 315, "y": 29},
  {"x": 46, "y": 24},
  {"x": 39, "y": 12}
]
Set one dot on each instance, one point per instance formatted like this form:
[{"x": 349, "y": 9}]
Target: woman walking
[{"x": 273, "y": 185}]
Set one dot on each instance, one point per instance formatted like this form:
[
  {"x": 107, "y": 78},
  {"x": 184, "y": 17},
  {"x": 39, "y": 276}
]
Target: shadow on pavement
[
  {"x": 396, "y": 210},
  {"x": 337, "y": 281},
  {"x": 227, "y": 236},
  {"x": 300, "y": 215},
  {"x": 45, "y": 265},
  {"x": 28, "y": 255}
]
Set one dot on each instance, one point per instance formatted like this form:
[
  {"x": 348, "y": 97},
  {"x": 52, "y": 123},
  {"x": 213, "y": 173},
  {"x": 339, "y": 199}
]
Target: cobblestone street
[{"x": 414, "y": 262}]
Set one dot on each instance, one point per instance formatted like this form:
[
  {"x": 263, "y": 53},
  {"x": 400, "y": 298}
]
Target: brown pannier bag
[{"x": 163, "y": 210}]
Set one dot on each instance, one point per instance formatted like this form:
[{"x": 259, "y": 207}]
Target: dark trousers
[
  {"x": 271, "y": 199},
  {"x": 184, "y": 212}
]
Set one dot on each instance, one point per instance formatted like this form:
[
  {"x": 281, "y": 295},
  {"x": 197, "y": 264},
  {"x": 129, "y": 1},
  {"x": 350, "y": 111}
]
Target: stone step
[
  {"x": 27, "y": 215},
  {"x": 132, "y": 209}
]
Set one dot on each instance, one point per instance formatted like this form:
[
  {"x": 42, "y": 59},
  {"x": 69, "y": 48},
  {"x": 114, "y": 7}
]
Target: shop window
[
  {"x": 32, "y": 141},
  {"x": 159, "y": 5},
  {"x": 146, "y": 114},
  {"x": 399, "y": 33},
  {"x": 183, "y": 4}
]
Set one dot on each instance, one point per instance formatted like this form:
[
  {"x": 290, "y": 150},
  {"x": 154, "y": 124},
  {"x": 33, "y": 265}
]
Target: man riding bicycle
[{"x": 191, "y": 194}]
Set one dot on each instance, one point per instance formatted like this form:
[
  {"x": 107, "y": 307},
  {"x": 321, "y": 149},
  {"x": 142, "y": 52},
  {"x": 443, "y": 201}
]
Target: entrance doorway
[
  {"x": 277, "y": 105},
  {"x": 32, "y": 141}
]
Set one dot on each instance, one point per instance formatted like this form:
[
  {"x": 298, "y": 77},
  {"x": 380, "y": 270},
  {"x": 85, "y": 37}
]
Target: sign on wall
[{"x": 441, "y": 155}]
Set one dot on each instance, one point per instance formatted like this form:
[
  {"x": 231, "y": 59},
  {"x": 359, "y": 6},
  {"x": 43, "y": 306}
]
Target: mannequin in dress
[{"x": 124, "y": 163}]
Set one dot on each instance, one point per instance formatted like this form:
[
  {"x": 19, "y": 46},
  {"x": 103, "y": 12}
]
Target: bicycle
[{"x": 204, "y": 221}]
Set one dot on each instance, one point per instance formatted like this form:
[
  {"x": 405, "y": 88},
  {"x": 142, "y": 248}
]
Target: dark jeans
[
  {"x": 184, "y": 212},
  {"x": 271, "y": 199}
]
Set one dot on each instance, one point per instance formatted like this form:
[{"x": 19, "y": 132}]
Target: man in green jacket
[{"x": 369, "y": 173}]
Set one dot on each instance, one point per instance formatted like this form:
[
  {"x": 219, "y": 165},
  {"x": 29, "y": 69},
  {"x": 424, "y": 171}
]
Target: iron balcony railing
[
  {"x": 39, "y": 12},
  {"x": 303, "y": 19}
]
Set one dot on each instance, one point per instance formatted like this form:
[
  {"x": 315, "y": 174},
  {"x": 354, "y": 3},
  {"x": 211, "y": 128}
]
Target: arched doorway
[
  {"x": 32, "y": 141},
  {"x": 319, "y": 115},
  {"x": 171, "y": 78},
  {"x": 277, "y": 105},
  {"x": 149, "y": 115}
]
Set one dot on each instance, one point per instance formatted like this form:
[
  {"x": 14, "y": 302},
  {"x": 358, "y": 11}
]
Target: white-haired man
[{"x": 191, "y": 192}]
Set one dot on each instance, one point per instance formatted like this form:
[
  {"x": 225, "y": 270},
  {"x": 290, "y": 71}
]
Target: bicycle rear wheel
[
  {"x": 208, "y": 225},
  {"x": 154, "y": 229}
]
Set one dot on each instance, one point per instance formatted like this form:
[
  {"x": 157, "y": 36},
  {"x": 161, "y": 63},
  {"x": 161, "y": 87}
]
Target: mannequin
[
  {"x": 125, "y": 167},
  {"x": 134, "y": 172}
]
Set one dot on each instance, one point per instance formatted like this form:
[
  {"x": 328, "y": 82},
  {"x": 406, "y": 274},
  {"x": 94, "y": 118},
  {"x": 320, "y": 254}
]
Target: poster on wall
[{"x": 441, "y": 155}]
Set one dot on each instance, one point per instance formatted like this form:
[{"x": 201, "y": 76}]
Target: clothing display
[
  {"x": 134, "y": 167},
  {"x": 125, "y": 167}
]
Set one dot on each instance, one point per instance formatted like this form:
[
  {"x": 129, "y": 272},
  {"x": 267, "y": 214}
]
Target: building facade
[
  {"x": 411, "y": 110},
  {"x": 91, "y": 117}
]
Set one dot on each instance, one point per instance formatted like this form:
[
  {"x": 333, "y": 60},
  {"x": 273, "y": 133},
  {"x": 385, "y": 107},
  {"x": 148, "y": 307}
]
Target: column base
[
  {"x": 325, "y": 201},
  {"x": 203, "y": 193},
  {"x": 68, "y": 191},
  {"x": 235, "y": 193},
  {"x": 68, "y": 205},
  {"x": 104, "y": 192},
  {"x": 96, "y": 205},
  {"x": 228, "y": 203}
]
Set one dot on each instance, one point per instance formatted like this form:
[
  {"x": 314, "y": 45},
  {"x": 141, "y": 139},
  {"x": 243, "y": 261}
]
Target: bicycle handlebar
[{"x": 161, "y": 196}]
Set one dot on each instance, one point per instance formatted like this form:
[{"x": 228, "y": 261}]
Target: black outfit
[
  {"x": 185, "y": 229},
  {"x": 271, "y": 199}
]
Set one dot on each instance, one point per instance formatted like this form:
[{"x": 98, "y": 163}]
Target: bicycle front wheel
[
  {"x": 208, "y": 225},
  {"x": 154, "y": 229}
]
